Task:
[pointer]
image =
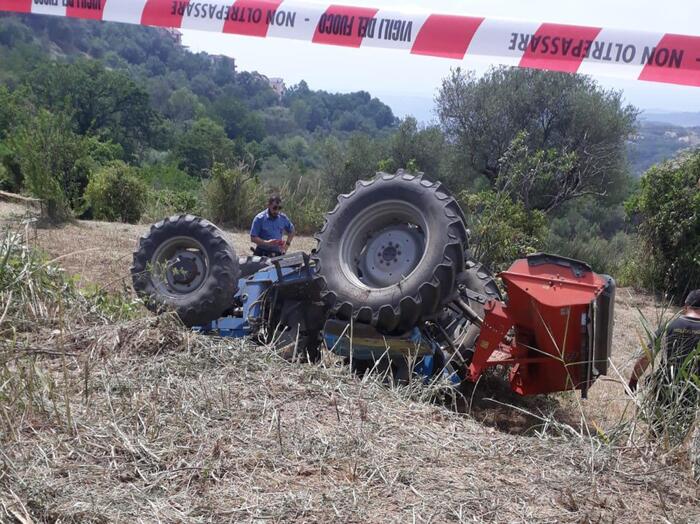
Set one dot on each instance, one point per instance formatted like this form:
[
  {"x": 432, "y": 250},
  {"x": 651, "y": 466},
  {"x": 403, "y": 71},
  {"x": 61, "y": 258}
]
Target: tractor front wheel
[{"x": 185, "y": 264}]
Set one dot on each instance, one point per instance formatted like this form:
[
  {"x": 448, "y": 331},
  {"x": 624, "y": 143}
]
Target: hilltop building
[{"x": 277, "y": 85}]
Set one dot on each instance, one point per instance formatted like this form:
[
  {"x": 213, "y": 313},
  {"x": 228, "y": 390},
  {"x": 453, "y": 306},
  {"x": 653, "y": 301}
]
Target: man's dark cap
[{"x": 693, "y": 299}]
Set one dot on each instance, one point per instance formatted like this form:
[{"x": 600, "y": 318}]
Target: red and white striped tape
[{"x": 656, "y": 57}]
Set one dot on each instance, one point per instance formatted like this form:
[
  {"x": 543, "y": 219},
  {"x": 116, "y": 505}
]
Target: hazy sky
[{"x": 409, "y": 82}]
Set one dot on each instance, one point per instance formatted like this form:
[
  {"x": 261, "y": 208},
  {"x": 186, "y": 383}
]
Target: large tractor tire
[
  {"x": 185, "y": 264},
  {"x": 456, "y": 333},
  {"x": 390, "y": 252}
]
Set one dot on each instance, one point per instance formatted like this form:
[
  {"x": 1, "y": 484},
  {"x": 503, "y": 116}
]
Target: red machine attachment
[{"x": 554, "y": 330}]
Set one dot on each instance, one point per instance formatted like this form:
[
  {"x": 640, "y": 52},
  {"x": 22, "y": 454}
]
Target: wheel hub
[
  {"x": 184, "y": 269},
  {"x": 384, "y": 244},
  {"x": 391, "y": 255},
  {"x": 180, "y": 266}
]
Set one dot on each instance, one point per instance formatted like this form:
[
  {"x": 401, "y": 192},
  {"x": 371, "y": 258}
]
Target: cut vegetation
[{"x": 109, "y": 414}]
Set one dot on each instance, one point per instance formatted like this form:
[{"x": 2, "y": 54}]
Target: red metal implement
[{"x": 554, "y": 330}]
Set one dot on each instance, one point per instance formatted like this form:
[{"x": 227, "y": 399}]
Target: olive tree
[{"x": 574, "y": 126}]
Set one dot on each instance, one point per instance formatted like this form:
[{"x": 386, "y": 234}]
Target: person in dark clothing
[
  {"x": 670, "y": 399},
  {"x": 269, "y": 228},
  {"x": 681, "y": 339}
]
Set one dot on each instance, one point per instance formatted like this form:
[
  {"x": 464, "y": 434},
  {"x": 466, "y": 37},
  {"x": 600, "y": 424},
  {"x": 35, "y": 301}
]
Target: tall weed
[{"x": 305, "y": 203}]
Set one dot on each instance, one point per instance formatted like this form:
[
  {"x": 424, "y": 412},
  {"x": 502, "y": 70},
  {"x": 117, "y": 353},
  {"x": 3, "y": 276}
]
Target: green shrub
[
  {"x": 667, "y": 210},
  {"x": 10, "y": 173},
  {"x": 305, "y": 203},
  {"x": 637, "y": 268},
  {"x": 48, "y": 153},
  {"x": 169, "y": 176},
  {"x": 165, "y": 202},
  {"x": 609, "y": 256},
  {"x": 115, "y": 193},
  {"x": 502, "y": 229},
  {"x": 5, "y": 180},
  {"x": 232, "y": 196}
]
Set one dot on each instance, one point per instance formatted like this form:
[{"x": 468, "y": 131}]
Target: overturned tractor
[{"x": 390, "y": 285}]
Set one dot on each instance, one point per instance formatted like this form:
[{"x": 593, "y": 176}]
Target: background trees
[
  {"x": 578, "y": 128},
  {"x": 539, "y": 159},
  {"x": 203, "y": 145},
  {"x": 102, "y": 103},
  {"x": 551, "y": 143},
  {"x": 135, "y": 94},
  {"x": 667, "y": 212},
  {"x": 48, "y": 153}
]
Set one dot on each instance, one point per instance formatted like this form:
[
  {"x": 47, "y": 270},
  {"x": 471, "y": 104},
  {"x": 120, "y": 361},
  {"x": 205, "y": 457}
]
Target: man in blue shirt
[{"x": 269, "y": 227}]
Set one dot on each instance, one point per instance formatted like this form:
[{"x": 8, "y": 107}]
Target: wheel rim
[
  {"x": 180, "y": 266},
  {"x": 384, "y": 245}
]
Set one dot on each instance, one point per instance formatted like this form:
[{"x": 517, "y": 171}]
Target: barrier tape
[{"x": 655, "y": 57}]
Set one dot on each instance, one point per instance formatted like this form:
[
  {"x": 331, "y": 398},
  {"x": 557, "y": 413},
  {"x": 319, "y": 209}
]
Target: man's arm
[
  {"x": 648, "y": 354},
  {"x": 290, "y": 235},
  {"x": 639, "y": 368}
]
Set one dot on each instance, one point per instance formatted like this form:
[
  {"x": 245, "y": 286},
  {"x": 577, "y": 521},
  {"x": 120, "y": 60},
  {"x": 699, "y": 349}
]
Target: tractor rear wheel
[
  {"x": 185, "y": 264},
  {"x": 390, "y": 251}
]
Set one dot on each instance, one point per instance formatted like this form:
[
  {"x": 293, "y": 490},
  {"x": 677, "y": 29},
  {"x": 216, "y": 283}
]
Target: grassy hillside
[
  {"x": 112, "y": 415},
  {"x": 656, "y": 142}
]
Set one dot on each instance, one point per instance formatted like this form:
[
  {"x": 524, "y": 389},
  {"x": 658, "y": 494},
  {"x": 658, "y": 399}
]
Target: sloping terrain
[
  {"x": 99, "y": 253},
  {"x": 142, "y": 421},
  {"x": 170, "y": 427}
]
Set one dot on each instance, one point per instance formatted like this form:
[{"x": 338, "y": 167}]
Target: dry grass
[
  {"x": 100, "y": 252},
  {"x": 151, "y": 423},
  {"x": 109, "y": 420},
  {"x": 609, "y": 404}
]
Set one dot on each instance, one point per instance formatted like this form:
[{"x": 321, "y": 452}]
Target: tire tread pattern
[
  {"x": 216, "y": 293},
  {"x": 418, "y": 301}
]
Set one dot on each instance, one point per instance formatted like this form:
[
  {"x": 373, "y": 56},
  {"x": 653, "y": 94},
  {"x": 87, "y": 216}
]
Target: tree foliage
[
  {"x": 102, "y": 103},
  {"x": 342, "y": 166},
  {"x": 502, "y": 228},
  {"x": 595, "y": 232},
  {"x": 417, "y": 148},
  {"x": 203, "y": 145},
  {"x": 563, "y": 119},
  {"x": 49, "y": 154},
  {"x": 349, "y": 112},
  {"x": 116, "y": 193},
  {"x": 667, "y": 211},
  {"x": 535, "y": 177}
]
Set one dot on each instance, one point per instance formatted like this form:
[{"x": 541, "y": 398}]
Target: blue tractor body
[
  {"x": 245, "y": 320},
  {"x": 263, "y": 296}
]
